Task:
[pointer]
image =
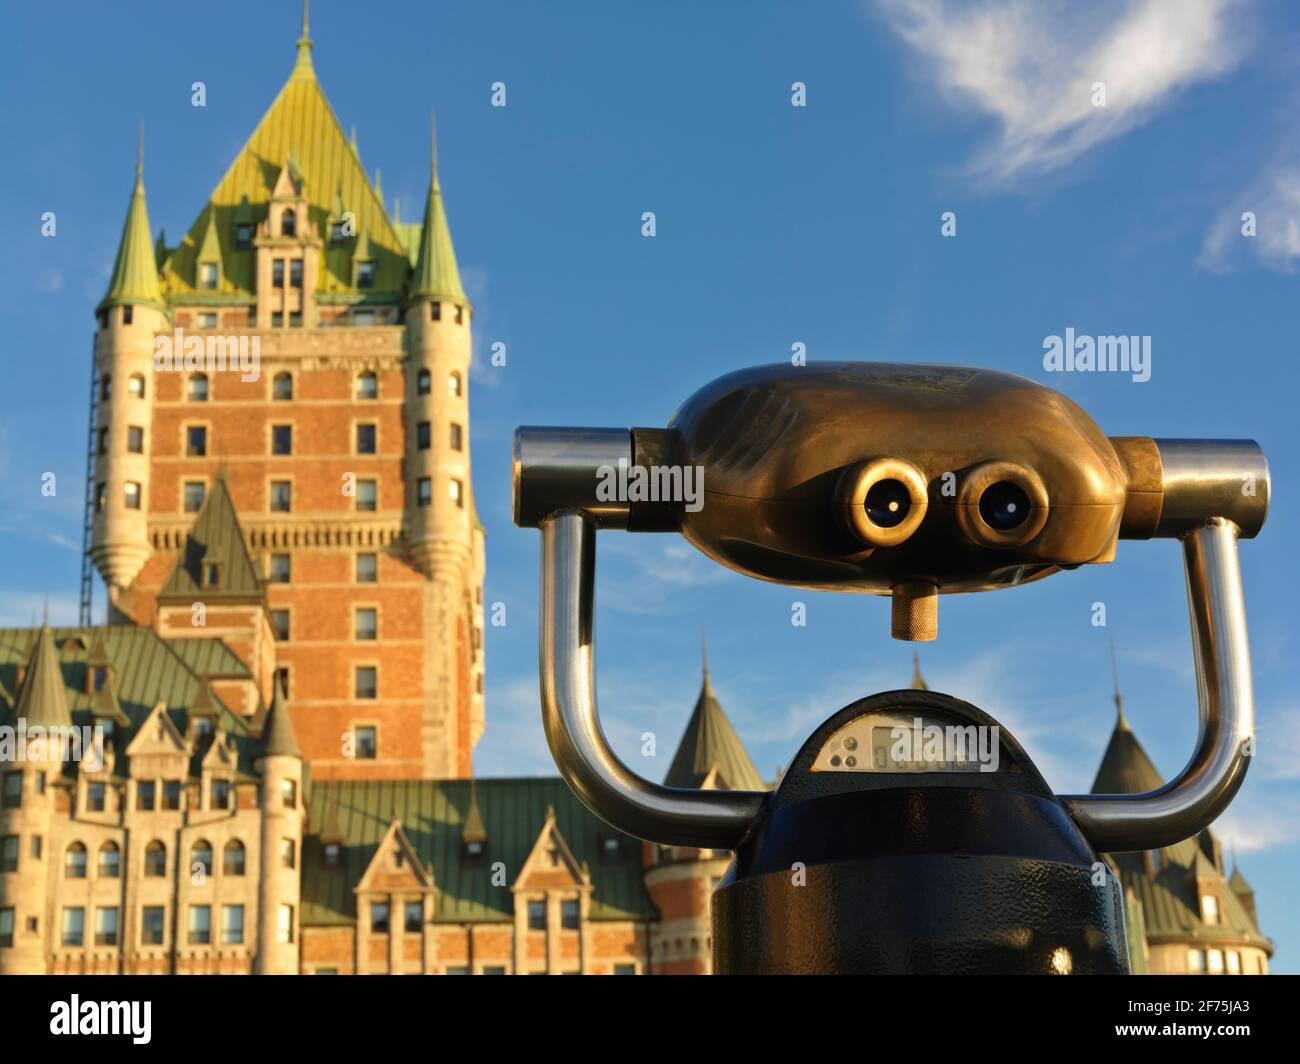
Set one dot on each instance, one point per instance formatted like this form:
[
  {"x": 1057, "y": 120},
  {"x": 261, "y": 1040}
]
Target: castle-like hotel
[{"x": 290, "y": 684}]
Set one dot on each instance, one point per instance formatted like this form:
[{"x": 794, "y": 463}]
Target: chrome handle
[
  {"x": 606, "y": 786},
  {"x": 1224, "y": 745}
]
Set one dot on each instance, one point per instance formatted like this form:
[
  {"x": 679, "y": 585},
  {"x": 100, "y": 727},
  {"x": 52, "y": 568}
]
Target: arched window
[
  {"x": 74, "y": 862},
  {"x": 367, "y": 385},
  {"x": 198, "y": 388},
  {"x": 232, "y": 858},
  {"x": 136, "y": 386},
  {"x": 288, "y": 223},
  {"x": 453, "y": 385},
  {"x": 201, "y": 858},
  {"x": 424, "y": 382},
  {"x": 282, "y": 386},
  {"x": 155, "y": 859},
  {"x": 110, "y": 860}
]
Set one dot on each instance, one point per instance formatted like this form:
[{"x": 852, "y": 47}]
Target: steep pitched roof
[
  {"x": 436, "y": 273},
  {"x": 278, "y": 737},
  {"x": 135, "y": 271},
  {"x": 43, "y": 699},
  {"x": 215, "y": 538},
  {"x": 300, "y": 123},
  {"x": 1125, "y": 767},
  {"x": 918, "y": 681},
  {"x": 711, "y": 742}
]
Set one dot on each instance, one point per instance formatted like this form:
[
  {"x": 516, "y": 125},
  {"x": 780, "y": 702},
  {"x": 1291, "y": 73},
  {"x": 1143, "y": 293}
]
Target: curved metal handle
[
  {"x": 606, "y": 786},
  {"x": 1192, "y": 800}
]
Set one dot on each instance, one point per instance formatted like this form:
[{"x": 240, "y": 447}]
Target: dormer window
[
  {"x": 207, "y": 275},
  {"x": 609, "y": 847},
  {"x": 336, "y": 233},
  {"x": 202, "y": 727},
  {"x": 221, "y": 800},
  {"x": 366, "y": 274},
  {"x": 211, "y": 575},
  {"x": 1209, "y": 909},
  {"x": 243, "y": 237},
  {"x": 288, "y": 223},
  {"x": 98, "y": 674},
  {"x": 330, "y": 853},
  {"x": 474, "y": 848}
]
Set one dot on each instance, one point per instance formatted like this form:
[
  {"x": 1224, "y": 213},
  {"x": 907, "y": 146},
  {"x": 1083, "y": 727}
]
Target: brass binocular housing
[{"x": 893, "y": 479}]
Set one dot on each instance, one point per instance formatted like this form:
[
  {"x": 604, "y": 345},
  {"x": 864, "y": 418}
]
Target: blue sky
[{"x": 775, "y": 225}]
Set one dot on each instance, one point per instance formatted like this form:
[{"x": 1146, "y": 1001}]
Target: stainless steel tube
[
  {"x": 1191, "y": 801},
  {"x": 616, "y": 794}
]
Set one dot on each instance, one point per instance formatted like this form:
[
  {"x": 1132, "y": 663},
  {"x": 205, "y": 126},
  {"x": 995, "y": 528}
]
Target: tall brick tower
[{"x": 307, "y": 356}]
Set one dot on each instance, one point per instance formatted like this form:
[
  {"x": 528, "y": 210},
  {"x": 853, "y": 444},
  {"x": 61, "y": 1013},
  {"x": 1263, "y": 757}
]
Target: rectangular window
[
  {"x": 423, "y": 435},
  {"x": 6, "y": 927},
  {"x": 367, "y": 568},
  {"x": 569, "y": 914},
  {"x": 221, "y": 794},
  {"x": 128, "y": 315},
  {"x": 1209, "y": 908},
  {"x": 365, "y": 439},
  {"x": 625, "y": 969},
  {"x": 287, "y": 853},
  {"x": 131, "y": 491},
  {"x": 277, "y": 273},
  {"x": 456, "y": 491},
  {"x": 74, "y": 926},
  {"x": 280, "y": 624},
  {"x": 106, "y": 926},
  {"x": 196, "y": 441},
  {"x": 495, "y": 969},
  {"x": 537, "y": 916},
  {"x": 330, "y": 852},
  {"x": 277, "y": 319},
  {"x": 295, "y": 273},
  {"x": 367, "y": 626},
  {"x": 144, "y": 794},
  {"x": 207, "y": 321},
  {"x": 282, "y": 679},
  {"x": 460, "y": 314},
  {"x": 1196, "y": 960},
  {"x": 284, "y": 924},
  {"x": 379, "y": 917},
  {"x": 1234, "y": 962},
  {"x": 151, "y": 925},
  {"x": 280, "y": 569},
  {"x": 457, "y": 444},
  {"x": 295, "y": 319},
  {"x": 243, "y": 237},
  {"x": 363, "y": 319},
  {"x": 414, "y": 916},
  {"x": 200, "y": 924},
  {"x": 367, "y": 742},
  {"x": 13, "y": 790},
  {"x": 288, "y": 794},
  {"x": 40, "y": 776},
  {"x": 282, "y": 439},
  {"x": 252, "y": 315},
  {"x": 366, "y": 496},
  {"x": 36, "y": 847},
  {"x": 435, "y": 311},
  {"x": 281, "y": 496},
  {"x": 100, "y": 489},
  {"x": 232, "y": 925},
  {"x": 1216, "y": 962},
  {"x": 135, "y": 439},
  {"x": 171, "y": 794},
  {"x": 366, "y": 681},
  {"x": 103, "y": 441},
  {"x": 194, "y": 492},
  {"x": 210, "y": 574},
  {"x": 95, "y": 797},
  {"x": 9, "y": 853},
  {"x": 365, "y": 274},
  {"x": 424, "y": 491}
]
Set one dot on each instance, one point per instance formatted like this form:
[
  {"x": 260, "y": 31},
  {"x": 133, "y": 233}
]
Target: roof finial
[
  {"x": 45, "y": 613},
  {"x": 305, "y": 13},
  {"x": 302, "y": 67},
  {"x": 918, "y": 681},
  {"x": 139, "y": 157},
  {"x": 704, "y": 654},
  {"x": 433, "y": 146},
  {"x": 1119, "y": 698}
]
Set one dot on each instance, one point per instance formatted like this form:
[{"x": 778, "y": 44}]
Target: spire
[
  {"x": 704, "y": 657},
  {"x": 379, "y": 188},
  {"x": 278, "y": 737},
  {"x": 436, "y": 273},
  {"x": 1125, "y": 767},
  {"x": 135, "y": 272},
  {"x": 710, "y": 742},
  {"x": 215, "y": 563},
  {"x": 918, "y": 681},
  {"x": 473, "y": 831},
  {"x": 1120, "y": 722},
  {"x": 302, "y": 68},
  {"x": 43, "y": 699}
]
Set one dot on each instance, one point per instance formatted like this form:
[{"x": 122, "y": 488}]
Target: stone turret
[
  {"x": 283, "y": 814},
  {"x": 129, "y": 316}
]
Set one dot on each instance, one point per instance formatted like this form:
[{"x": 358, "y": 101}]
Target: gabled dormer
[
  {"x": 209, "y": 274},
  {"x": 550, "y": 864},
  {"x": 158, "y": 751}
]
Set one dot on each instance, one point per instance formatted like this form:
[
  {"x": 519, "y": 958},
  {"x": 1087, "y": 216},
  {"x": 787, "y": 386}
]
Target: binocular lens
[
  {"x": 1004, "y": 506},
  {"x": 887, "y": 503}
]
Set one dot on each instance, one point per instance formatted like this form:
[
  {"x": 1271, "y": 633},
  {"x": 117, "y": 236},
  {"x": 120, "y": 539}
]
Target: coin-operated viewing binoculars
[{"x": 910, "y": 481}]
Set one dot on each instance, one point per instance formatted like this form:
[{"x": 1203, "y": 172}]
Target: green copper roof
[
  {"x": 145, "y": 670},
  {"x": 1125, "y": 767},
  {"x": 135, "y": 273},
  {"x": 215, "y": 538},
  {"x": 436, "y": 274},
  {"x": 300, "y": 123},
  {"x": 278, "y": 737},
  {"x": 1239, "y": 883},
  {"x": 433, "y": 814},
  {"x": 42, "y": 699},
  {"x": 710, "y": 741}
]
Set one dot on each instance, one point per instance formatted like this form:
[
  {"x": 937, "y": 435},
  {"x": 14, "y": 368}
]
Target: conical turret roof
[
  {"x": 44, "y": 699},
  {"x": 278, "y": 737},
  {"x": 135, "y": 272},
  {"x": 436, "y": 273},
  {"x": 711, "y": 742}
]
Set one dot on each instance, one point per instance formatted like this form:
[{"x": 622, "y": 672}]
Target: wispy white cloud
[
  {"x": 18, "y": 609},
  {"x": 653, "y": 574},
  {"x": 1273, "y": 202},
  {"x": 1031, "y": 66},
  {"x": 1254, "y": 822}
]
